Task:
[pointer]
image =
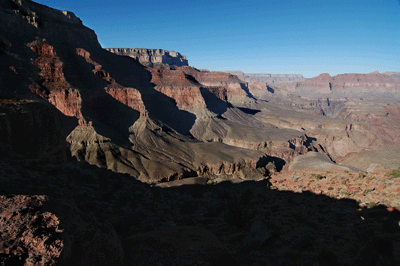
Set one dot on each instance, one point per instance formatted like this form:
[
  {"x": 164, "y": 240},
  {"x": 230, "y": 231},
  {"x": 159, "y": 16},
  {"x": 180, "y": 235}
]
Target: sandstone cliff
[{"x": 152, "y": 57}]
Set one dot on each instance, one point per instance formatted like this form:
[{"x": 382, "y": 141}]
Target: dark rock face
[
  {"x": 152, "y": 57},
  {"x": 33, "y": 130}
]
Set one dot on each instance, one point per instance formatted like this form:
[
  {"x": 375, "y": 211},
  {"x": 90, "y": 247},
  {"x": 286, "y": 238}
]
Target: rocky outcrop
[
  {"x": 176, "y": 84},
  {"x": 152, "y": 57},
  {"x": 29, "y": 236},
  {"x": 128, "y": 96},
  {"x": 52, "y": 84},
  {"x": 188, "y": 86},
  {"x": 39, "y": 230},
  {"x": 55, "y": 24}
]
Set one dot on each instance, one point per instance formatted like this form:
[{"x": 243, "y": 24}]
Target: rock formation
[{"x": 152, "y": 57}]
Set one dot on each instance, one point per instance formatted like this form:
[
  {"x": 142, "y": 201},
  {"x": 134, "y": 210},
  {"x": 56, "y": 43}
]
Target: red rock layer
[
  {"x": 219, "y": 81},
  {"x": 177, "y": 85},
  {"x": 183, "y": 85},
  {"x": 53, "y": 85},
  {"x": 67, "y": 101},
  {"x": 51, "y": 73},
  {"x": 128, "y": 96}
]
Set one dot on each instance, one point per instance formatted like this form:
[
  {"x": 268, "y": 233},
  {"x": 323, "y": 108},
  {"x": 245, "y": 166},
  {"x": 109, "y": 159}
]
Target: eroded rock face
[
  {"x": 189, "y": 87},
  {"x": 152, "y": 57},
  {"x": 267, "y": 78},
  {"x": 373, "y": 84},
  {"x": 52, "y": 84}
]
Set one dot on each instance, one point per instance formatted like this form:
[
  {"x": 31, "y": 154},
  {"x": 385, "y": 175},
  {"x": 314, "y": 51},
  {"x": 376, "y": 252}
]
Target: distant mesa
[
  {"x": 266, "y": 77},
  {"x": 152, "y": 57}
]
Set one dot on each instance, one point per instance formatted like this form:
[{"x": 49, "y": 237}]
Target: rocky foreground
[{"x": 79, "y": 214}]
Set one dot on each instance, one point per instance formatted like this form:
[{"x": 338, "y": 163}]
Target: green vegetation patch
[
  {"x": 318, "y": 176},
  {"x": 394, "y": 173}
]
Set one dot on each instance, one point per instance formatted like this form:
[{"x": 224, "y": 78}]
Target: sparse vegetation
[
  {"x": 368, "y": 191},
  {"x": 318, "y": 176},
  {"x": 362, "y": 175},
  {"x": 371, "y": 205},
  {"x": 394, "y": 173},
  {"x": 345, "y": 193}
]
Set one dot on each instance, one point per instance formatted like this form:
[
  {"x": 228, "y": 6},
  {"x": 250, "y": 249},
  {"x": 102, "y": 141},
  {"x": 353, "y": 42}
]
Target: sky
[{"x": 306, "y": 37}]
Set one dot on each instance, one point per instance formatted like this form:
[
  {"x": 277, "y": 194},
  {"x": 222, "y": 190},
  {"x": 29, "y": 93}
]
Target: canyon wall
[
  {"x": 267, "y": 78},
  {"x": 33, "y": 130},
  {"x": 152, "y": 57},
  {"x": 373, "y": 84}
]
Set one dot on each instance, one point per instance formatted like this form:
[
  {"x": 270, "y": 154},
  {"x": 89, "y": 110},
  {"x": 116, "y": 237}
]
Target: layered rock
[
  {"x": 176, "y": 84},
  {"x": 373, "y": 84},
  {"x": 267, "y": 78},
  {"x": 128, "y": 96},
  {"x": 188, "y": 86},
  {"x": 52, "y": 84},
  {"x": 152, "y": 57}
]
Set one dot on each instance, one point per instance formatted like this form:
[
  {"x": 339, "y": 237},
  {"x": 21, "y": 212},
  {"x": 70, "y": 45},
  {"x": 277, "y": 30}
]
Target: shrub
[
  {"x": 362, "y": 175},
  {"x": 368, "y": 191},
  {"x": 394, "y": 173}
]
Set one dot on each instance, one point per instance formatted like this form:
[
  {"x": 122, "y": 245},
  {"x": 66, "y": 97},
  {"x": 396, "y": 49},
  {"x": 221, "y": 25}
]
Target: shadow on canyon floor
[{"x": 255, "y": 224}]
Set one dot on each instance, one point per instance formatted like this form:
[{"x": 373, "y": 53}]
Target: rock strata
[
  {"x": 152, "y": 57},
  {"x": 372, "y": 84},
  {"x": 267, "y": 78}
]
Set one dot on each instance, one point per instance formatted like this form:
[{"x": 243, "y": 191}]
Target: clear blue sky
[{"x": 307, "y": 37}]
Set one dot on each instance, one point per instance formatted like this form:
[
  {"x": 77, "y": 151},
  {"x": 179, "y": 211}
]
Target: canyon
[{"x": 104, "y": 150}]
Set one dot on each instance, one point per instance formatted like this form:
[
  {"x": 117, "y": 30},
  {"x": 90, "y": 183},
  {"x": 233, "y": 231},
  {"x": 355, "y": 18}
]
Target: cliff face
[
  {"x": 263, "y": 85},
  {"x": 191, "y": 88},
  {"x": 373, "y": 84},
  {"x": 267, "y": 78},
  {"x": 152, "y": 57}
]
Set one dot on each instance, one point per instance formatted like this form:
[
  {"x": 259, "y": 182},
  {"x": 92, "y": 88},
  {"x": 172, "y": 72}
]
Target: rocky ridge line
[{"x": 152, "y": 57}]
